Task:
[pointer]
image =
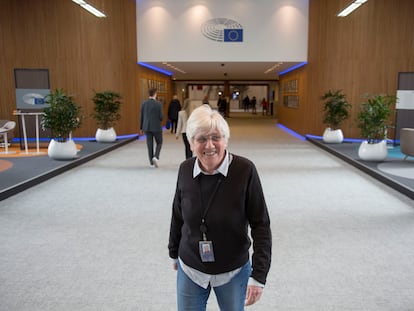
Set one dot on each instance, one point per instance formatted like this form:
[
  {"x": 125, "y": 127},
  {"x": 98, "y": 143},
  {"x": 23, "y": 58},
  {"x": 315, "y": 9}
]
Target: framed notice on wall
[
  {"x": 290, "y": 86},
  {"x": 291, "y": 101}
]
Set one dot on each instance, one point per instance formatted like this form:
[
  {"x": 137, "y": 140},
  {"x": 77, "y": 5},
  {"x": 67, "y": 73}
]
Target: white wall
[{"x": 273, "y": 30}]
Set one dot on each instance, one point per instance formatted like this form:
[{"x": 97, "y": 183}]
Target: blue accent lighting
[
  {"x": 291, "y": 132},
  {"x": 293, "y": 68},
  {"x": 166, "y": 72}
]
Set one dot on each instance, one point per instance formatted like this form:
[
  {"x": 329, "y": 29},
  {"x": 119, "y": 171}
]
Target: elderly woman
[{"x": 218, "y": 196}]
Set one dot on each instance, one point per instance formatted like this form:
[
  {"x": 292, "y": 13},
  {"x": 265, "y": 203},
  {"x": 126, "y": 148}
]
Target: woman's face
[{"x": 210, "y": 149}]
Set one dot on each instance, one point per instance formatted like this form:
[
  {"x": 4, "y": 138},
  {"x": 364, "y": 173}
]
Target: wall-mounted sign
[{"x": 222, "y": 30}]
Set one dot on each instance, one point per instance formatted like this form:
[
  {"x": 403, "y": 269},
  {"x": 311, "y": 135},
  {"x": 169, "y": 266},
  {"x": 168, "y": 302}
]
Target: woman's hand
[
  {"x": 253, "y": 294},
  {"x": 175, "y": 266}
]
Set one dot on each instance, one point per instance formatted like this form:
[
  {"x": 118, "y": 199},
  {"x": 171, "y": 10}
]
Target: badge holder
[{"x": 205, "y": 247}]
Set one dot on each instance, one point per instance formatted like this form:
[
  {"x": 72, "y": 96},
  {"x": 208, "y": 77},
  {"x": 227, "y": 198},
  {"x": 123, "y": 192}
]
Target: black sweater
[{"x": 237, "y": 204}]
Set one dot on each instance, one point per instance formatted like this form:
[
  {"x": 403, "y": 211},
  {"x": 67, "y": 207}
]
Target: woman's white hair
[{"x": 203, "y": 120}]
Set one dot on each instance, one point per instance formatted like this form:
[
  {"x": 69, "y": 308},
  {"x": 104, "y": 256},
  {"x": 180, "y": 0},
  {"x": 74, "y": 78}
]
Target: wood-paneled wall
[
  {"x": 360, "y": 54},
  {"x": 293, "y": 117},
  {"x": 83, "y": 53}
]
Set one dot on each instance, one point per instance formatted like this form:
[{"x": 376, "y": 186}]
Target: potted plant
[
  {"x": 107, "y": 105},
  {"x": 336, "y": 110},
  {"x": 374, "y": 119},
  {"x": 62, "y": 116}
]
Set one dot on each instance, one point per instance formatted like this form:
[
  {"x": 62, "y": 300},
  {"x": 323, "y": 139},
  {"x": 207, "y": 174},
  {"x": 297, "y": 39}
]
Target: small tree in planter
[
  {"x": 107, "y": 106},
  {"x": 62, "y": 116},
  {"x": 336, "y": 110},
  {"x": 374, "y": 119}
]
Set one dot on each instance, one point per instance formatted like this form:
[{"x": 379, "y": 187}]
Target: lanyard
[{"x": 203, "y": 226}]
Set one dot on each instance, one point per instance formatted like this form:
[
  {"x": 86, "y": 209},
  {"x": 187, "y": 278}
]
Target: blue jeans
[
  {"x": 151, "y": 136},
  {"x": 230, "y": 296}
]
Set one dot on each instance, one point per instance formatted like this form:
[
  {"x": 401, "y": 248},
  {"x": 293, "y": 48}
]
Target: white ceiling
[{"x": 234, "y": 71}]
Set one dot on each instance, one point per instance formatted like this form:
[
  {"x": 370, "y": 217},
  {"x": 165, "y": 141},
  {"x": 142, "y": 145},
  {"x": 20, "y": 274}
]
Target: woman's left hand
[{"x": 253, "y": 294}]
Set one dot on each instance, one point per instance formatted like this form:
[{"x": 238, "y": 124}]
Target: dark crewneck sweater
[{"x": 237, "y": 203}]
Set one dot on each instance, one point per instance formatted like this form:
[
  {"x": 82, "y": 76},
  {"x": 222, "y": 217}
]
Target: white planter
[
  {"x": 62, "y": 150},
  {"x": 105, "y": 136},
  {"x": 373, "y": 152},
  {"x": 333, "y": 136}
]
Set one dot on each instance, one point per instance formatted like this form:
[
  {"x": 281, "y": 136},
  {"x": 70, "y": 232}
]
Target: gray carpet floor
[{"x": 95, "y": 237}]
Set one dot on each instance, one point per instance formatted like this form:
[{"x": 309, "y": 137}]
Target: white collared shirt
[{"x": 222, "y": 169}]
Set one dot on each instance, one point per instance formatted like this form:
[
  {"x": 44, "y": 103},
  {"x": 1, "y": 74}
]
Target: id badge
[{"x": 206, "y": 251}]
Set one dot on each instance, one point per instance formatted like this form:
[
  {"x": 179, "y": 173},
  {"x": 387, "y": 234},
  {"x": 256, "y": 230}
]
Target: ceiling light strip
[
  {"x": 351, "y": 7},
  {"x": 90, "y": 8}
]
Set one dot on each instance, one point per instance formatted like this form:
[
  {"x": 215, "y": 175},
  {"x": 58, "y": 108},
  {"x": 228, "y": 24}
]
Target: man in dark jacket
[
  {"x": 150, "y": 124},
  {"x": 222, "y": 105}
]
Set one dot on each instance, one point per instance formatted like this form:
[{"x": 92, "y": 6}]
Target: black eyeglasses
[{"x": 204, "y": 138}]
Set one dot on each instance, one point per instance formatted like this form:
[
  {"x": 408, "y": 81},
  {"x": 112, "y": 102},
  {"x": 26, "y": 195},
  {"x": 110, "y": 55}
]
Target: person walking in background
[
  {"x": 227, "y": 110},
  {"x": 246, "y": 103},
  {"x": 150, "y": 124},
  {"x": 173, "y": 108},
  {"x": 206, "y": 101},
  {"x": 222, "y": 105},
  {"x": 218, "y": 195},
  {"x": 264, "y": 107},
  {"x": 253, "y": 103},
  {"x": 182, "y": 127}
]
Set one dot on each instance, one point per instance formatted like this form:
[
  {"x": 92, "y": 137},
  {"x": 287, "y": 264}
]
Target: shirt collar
[{"x": 222, "y": 169}]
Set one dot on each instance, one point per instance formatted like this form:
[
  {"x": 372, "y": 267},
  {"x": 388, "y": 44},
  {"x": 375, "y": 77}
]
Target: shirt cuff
[{"x": 255, "y": 283}]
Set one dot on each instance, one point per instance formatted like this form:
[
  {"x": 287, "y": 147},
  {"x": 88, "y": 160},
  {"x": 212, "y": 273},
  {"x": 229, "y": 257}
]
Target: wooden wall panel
[
  {"x": 290, "y": 116},
  {"x": 360, "y": 54},
  {"x": 83, "y": 53}
]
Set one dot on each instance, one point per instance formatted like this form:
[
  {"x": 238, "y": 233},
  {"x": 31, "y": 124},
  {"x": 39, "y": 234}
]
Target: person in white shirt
[{"x": 183, "y": 115}]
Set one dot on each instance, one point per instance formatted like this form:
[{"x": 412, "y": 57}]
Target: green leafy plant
[
  {"x": 374, "y": 117},
  {"x": 336, "y": 108},
  {"x": 107, "y": 105},
  {"x": 62, "y": 116}
]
